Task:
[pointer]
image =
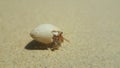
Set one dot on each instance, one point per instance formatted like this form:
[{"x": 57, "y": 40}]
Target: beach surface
[{"x": 92, "y": 26}]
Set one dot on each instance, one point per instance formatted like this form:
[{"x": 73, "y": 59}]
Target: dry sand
[{"x": 92, "y": 26}]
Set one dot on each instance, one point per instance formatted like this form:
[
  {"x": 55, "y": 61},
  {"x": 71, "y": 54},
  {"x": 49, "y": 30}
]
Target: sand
[{"x": 92, "y": 26}]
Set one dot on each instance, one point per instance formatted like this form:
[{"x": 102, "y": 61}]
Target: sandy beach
[{"x": 92, "y": 26}]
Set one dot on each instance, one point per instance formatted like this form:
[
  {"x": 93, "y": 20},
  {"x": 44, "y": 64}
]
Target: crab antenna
[{"x": 66, "y": 40}]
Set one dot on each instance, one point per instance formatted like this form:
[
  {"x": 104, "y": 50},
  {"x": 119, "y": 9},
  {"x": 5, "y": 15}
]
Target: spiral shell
[{"x": 44, "y": 33}]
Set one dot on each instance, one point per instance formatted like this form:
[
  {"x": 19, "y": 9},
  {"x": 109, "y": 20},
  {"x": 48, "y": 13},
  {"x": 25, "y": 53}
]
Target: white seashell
[{"x": 44, "y": 33}]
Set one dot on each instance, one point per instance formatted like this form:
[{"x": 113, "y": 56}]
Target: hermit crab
[{"x": 48, "y": 34}]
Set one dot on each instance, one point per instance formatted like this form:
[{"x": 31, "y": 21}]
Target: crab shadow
[{"x": 34, "y": 45}]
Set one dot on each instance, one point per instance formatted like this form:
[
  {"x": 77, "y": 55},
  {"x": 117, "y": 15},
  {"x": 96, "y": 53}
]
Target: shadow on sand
[{"x": 34, "y": 45}]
